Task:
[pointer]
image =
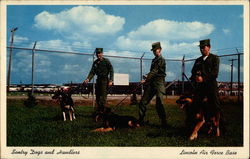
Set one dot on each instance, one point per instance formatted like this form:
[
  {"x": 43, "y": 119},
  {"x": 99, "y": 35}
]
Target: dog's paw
[{"x": 193, "y": 136}]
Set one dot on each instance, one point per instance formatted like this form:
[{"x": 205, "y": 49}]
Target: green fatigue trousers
[
  {"x": 153, "y": 88},
  {"x": 101, "y": 93}
]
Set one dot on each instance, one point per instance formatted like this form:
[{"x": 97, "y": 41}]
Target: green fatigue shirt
[
  {"x": 102, "y": 68},
  {"x": 209, "y": 69},
  {"x": 157, "y": 70}
]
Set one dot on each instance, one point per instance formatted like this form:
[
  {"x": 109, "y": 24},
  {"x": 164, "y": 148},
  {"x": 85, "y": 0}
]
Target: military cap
[
  {"x": 205, "y": 42},
  {"x": 156, "y": 45},
  {"x": 98, "y": 50}
]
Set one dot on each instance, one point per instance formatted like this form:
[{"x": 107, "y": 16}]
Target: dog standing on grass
[
  {"x": 65, "y": 100},
  {"x": 112, "y": 121},
  {"x": 197, "y": 116}
]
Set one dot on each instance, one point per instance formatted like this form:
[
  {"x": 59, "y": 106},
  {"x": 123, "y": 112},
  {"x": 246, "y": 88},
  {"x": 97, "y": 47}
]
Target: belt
[{"x": 102, "y": 77}]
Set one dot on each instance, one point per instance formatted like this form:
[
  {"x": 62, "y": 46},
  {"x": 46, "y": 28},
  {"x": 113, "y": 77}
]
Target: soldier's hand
[
  {"x": 86, "y": 81},
  {"x": 110, "y": 83},
  {"x": 199, "y": 79},
  {"x": 143, "y": 81}
]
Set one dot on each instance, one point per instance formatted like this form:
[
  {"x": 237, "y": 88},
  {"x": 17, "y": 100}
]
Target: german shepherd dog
[
  {"x": 196, "y": 117},
  {"x": 112, "y": 121},
  {"x": 63, "y": 97}
]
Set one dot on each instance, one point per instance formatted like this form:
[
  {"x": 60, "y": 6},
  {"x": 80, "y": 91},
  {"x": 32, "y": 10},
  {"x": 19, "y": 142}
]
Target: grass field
[{"x": 43, "y": 126}]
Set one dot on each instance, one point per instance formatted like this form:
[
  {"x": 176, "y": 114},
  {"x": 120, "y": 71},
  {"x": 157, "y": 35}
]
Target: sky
[{"x": 122, "y": 30}]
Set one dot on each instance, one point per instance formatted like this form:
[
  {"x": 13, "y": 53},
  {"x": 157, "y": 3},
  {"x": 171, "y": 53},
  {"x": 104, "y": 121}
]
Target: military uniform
[
  {"x": 154, "y": 86},
  {"x": 104, "y": 71},
  {"x": 208, "y": 69}
]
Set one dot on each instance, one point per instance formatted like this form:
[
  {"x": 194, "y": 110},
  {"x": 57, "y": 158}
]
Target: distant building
[{"x": 133, "y": 87}]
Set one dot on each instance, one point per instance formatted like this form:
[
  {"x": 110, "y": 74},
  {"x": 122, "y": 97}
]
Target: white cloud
[
  {"x": 177, "y": 50},
  {"x": 84, "y": 44},
  {"x": 23, "y": 63},
  {"x": 127, "y": 43},
  {"x": 171, "y": 74},
  {"x": 81, "y": 22},
  {"x": 226, "y": 31},
  {"x": 20, "y": 39},
  {"x": 71, "y": 69},
  {"x": 227, "y": 68},
  {"x": 60, "y": 45},
  {"x": 42, "y": 60},
  {"x": 177, "y": 38},
  {"x": 119, "y": 53},
  {"x": 171, "y": 30},
  {"x": 54, "y": 45}
]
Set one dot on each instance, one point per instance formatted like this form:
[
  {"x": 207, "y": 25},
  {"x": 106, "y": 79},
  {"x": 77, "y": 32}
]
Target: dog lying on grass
[
  {"x": 112, "y": 121},
  {"x": 63, "y": 97},
  {"x": 196, "y": 117}
]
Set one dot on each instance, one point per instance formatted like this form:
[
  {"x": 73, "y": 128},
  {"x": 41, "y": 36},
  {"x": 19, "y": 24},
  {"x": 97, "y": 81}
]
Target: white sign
[{"x": 121, "y": 79}]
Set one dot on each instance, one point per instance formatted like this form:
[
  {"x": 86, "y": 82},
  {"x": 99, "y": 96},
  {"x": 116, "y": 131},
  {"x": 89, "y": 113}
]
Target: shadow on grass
[{"x": 167, "y": 132}]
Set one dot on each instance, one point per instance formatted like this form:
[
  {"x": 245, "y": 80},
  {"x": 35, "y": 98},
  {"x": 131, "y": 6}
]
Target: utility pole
[
  {"x": 93, "y": 95},
  {"x": 232, "y": 65},
  {"x": 238, "y": 75},
  {"x": 10, "y": 58},
  {"x": 33, "y": 65}
]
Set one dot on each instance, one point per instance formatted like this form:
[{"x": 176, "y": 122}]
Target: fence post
[
  {"x": 141, "y": 72},
  {"x": 33, "y": 65},
  {"x": 183, "y": 73},
  {"x": 232, "y": 72},
  {"x": 238, "y": 75},
  {"x": 93, "y": 95}
]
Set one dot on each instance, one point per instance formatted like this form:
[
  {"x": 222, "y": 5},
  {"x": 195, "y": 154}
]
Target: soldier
[
  {"x": 204, "y": 74},
  {"x": 154, "y": 82},
  {"x": 104, "y": 71}
]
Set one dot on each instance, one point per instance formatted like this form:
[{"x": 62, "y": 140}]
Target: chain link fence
[{"x": 47, "y": 70}]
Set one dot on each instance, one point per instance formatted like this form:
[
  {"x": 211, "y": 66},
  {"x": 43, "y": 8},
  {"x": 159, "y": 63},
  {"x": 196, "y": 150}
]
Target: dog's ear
[{"x": 189, "y": 100}]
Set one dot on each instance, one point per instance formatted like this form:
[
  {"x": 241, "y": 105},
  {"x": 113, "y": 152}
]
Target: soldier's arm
[
  {"x": 214, "y": 70},
  {"x": 194, "y": 71},
  {"x": 111, "y": 71},
  {"x": 92, "y": 72}
]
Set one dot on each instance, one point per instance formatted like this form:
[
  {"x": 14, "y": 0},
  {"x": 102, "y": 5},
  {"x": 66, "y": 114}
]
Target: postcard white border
[{"x": 125, "y": 152}]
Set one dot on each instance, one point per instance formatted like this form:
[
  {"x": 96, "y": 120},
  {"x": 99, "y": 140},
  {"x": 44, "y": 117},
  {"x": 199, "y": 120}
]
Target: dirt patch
[
  {"x": 88, "y": 100},
  {"x": 111, "y": 100}
]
